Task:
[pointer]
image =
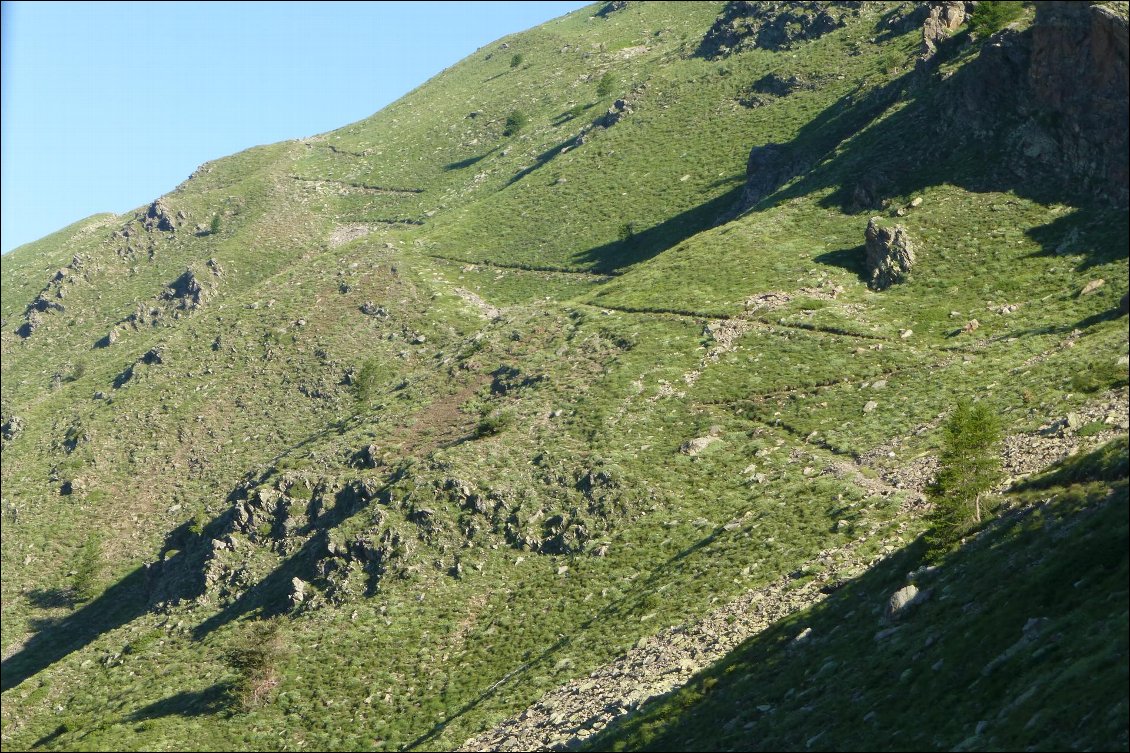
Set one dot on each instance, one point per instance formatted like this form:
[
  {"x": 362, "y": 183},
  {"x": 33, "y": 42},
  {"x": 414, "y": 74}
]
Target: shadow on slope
[
  {"x": 1020, "y": 640},
  {"x": 121, "y": 603},
  {"x": 655, "y": 240}
]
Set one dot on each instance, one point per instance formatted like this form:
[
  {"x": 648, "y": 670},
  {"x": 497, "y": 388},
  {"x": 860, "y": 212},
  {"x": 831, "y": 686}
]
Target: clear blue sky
[{"x": 109, "y": 105}]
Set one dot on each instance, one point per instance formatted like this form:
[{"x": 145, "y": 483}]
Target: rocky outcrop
[
  {"x": 1055, "y": 96},
  {"x": 620, "y": 109},
  {"x": 12, "y": 428},
  {"x": 768, "y": 167},
  {"x": 159, "y": 217},
  {"x": 771, "y": 26},
  {"x": 186, "y": 292},
  {"x": 47, "y": 301},
  {"x": 943, "y": 18},
  {"x": 617, "y": 112},
  {"x": 890, "y": 255},
  {"x": 612, "y": 7}
]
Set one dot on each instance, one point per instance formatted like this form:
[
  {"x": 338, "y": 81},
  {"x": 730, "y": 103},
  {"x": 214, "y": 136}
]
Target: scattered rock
[
  {"x": 903, "y": 599},
  {"x": 694, "y": 446},
  {"x": 770, "y": 26},
  {"x": 890, "y": 254},
  {"x": 1091, "y": 287},
  {"x": 12, "y": 428},
  {"x": 870, "y": 406},
  {"x": 971, "y": 326}
]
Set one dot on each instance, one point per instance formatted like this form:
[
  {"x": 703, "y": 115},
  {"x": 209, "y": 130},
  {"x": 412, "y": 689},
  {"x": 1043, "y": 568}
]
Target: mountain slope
[{"x": 437, "y": 418}]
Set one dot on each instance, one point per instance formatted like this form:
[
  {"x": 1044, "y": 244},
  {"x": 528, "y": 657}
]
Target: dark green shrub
[
  {"x": 606, "y": 85},
  {"x": 515, "y": 122},
  {"x": 215, "y": 226},
  {"x": 366, "y": 381},
  {"x": 495, "y": 423},
  {"x": 255, "y": 658},
  {"x": 84, "y": 582},
  {"x": 990, "y": 17},
  {"x": 516, "y": 60}
]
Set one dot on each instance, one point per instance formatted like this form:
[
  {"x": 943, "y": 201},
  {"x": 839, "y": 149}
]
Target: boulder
[
  {"x": 12, "y": 428},
  {"x": 903, "y": 599},
  {"x": 890, "y": 254}
]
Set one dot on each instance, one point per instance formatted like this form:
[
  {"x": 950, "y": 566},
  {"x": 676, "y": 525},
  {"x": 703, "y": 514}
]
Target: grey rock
[
  {"x": 903, "y": 599},
  {"x": 890, "y": 254}
]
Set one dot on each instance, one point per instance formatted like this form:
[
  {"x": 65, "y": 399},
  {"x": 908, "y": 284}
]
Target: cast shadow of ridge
[
  {"x": 655, "y": 240},
  {"x": 119, "y": 604}
]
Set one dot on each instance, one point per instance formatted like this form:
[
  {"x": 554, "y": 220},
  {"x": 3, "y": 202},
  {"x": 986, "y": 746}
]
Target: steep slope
[{"x": 373, "y": 439}]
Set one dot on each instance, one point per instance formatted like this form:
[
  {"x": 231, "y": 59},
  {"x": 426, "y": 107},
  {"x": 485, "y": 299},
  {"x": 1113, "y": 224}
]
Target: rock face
[
  {"x": 771, "y": 26},
  {"x": 890, "y": 255},
  {"x": 1057, "y": 93},
  {"x": 1077, "y": 73}
]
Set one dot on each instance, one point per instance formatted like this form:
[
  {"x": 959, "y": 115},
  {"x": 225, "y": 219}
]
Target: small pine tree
[
  {"x": 515, "y": 122},
  {"x": 990, "y": 17},
  {"x": 215, "y": 226},
  {"x": 516, "y": 60},
  {"x": 969, "y": 467},
  {"x": 84, "y": 582},
  {"x": 255, "y": 659},
  {"x": 366, "y": 381},
  {"x": 606, "y": 85}
]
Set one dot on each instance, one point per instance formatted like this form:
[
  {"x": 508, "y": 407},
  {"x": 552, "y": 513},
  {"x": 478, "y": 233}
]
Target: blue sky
[{"x": 106, "y": 106}]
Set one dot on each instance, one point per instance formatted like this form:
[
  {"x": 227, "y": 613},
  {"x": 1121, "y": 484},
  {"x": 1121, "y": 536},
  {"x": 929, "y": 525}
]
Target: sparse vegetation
[{"x": 516, "y": 60}]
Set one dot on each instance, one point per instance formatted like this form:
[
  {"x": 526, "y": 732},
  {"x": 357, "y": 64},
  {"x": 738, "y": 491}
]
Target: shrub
[
  {"x": 366, "y": 381},
  {"x": 990, "y": 17},
  {"x": 84, "y": 582},
  {"x": 969, "y": 467},
  {"x": 516, "y": 60},
  {"x": 495, "y": 423},
  {"x": 515, "y": 122},
  {"x": 216, "y": 224},
  {"x": 255, "y": 658},
  {"x": 606, "y": 85}
]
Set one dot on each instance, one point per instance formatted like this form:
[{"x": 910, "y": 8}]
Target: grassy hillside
[{"x": 369, "y": 441}]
